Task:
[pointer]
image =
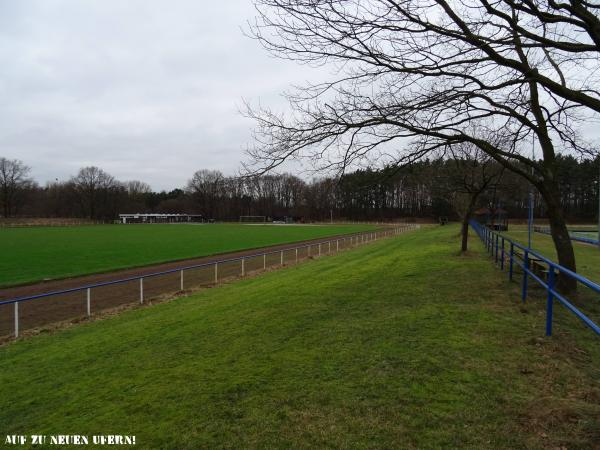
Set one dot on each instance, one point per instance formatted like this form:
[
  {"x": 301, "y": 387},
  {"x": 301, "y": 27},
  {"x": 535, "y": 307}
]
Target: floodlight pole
[
  {"x": 598, "y": 157},
  {"x": 530, "y": 212},
  {"x": 530, "y": 218}
]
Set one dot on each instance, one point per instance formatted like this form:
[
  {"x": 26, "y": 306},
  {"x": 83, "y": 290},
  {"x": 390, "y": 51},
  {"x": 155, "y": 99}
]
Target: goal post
[{"x": 253, "y": 219}]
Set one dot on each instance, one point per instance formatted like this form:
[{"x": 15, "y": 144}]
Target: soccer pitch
[
  {"x": 585, "y": 234},
  {"x": 400, "y": 344},
  {"x": 35, "y": 254}
]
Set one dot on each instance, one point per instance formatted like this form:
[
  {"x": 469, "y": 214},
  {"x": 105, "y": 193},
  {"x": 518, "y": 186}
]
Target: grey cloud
[{"x": 144, "y": 89}]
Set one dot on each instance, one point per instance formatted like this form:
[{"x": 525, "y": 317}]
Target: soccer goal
[{"x": 253, "y": 219}]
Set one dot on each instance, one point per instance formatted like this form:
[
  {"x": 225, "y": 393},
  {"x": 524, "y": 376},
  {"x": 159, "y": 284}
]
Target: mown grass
[
  {"x": 587, "y": 256},
  {"x": 588, "y": 265},
  {"x": 586, "y": 234},
  {"x": 399, "y": 344},
  {"x": 34, "y": 254}
]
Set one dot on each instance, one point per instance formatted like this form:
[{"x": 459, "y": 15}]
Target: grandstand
[{"x": 160, "y": 218}]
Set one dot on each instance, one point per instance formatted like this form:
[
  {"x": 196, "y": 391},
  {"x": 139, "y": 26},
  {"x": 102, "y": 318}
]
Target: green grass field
[
  {"x": 34, "y": 254},
  {"x": 399, "y": 344},
  {"x": 586, "y": 234},
  {"x": 587, "y": 256}
]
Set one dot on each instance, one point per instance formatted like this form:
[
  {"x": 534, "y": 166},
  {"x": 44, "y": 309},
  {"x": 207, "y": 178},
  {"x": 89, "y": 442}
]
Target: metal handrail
[
  {"x": 370, "y": 236},
  {"x": 496, "y": 242},
  {"x": 585, "y": 240}
]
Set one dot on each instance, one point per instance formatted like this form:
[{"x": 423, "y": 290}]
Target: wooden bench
[{"x": 536, "y": 265}]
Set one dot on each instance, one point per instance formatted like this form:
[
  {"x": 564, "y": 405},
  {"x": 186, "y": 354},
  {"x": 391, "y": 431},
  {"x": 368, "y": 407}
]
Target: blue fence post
[
  {"x": 550, "y": 301},
  {"x": 497, "y": 239},
  {"x": 525, "y": 273},
  {"x": 510, "y": 262},
  {"x": 554, "y": 271}
]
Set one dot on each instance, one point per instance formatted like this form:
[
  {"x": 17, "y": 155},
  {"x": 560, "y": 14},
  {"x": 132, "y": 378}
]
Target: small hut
[
  {"x": 499, "y": 220},
  {"x": 495, "y": 219},
  {"x": 482, "y": 216}
]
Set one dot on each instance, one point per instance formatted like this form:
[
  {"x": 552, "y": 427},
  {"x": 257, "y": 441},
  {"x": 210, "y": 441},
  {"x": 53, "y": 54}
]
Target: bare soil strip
[{"x": 73, "y": 306}]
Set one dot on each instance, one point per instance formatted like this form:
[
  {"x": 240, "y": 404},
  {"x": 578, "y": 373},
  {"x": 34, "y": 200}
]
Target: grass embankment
[
  {"x": 34, "y": 254},
  {"x": 398, "y": 344}
]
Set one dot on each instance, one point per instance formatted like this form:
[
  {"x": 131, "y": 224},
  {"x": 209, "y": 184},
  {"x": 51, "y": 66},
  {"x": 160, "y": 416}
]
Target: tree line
[
  {"x": 504, "y": 77},
  {"x": 424, "y": 189}
]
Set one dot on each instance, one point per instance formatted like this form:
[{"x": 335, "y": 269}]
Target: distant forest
[{"x": 419, "y": 190}]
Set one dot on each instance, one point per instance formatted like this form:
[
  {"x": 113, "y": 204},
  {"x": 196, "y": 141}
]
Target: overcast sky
[{"x": 145, "y": 89}]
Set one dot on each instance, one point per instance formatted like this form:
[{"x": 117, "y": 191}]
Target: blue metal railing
[
  {"x": 353, "y": 240},
  {"x": 574, "y": 237},
  {"x": 495, "y": 243}
]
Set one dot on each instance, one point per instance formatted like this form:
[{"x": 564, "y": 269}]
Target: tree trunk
[
  {"x": 560, "y": 236},
  {"x": 5, "y": 202},
  {"x": 465, "y": 233},
  {"x": 465, "y": 221}
]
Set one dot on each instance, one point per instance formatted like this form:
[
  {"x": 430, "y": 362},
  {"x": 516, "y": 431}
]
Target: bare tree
[
  {"x": 467, "y": 175},
  {"x": 206, "y": 186},
  {"x": 92, "y": 186},
  {"x": 136, "y": 188},
  {"x": 13, "y": 180},
  {"x": 440, "y": 73}
]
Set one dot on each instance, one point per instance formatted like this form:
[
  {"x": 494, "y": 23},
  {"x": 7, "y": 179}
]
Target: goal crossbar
[{"x": 253, "y": 219}]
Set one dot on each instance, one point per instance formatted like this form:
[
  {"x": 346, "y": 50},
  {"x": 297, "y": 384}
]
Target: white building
[{"x": 160, "y": 218}]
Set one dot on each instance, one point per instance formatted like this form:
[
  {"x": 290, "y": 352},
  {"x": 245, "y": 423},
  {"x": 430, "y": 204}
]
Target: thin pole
[
  {"x": 549, "y": 301},
  {"x": 89, "y": 302},
  {"x": 530, "y": 218},
  {"x": 510, "y": 265},
  {"x": 216, "y": 273},
  {"x": 530, "y": 215},
  {"x": 525, "y": 274},
  {"x": 16, "y": 319},
  {"x": 141, "y": 290},
  {"x": 181, "y": 281}
]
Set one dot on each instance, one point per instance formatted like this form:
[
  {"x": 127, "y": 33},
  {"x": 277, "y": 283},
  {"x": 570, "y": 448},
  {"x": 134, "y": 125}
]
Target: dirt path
[{"x": 38, "y": 313}]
